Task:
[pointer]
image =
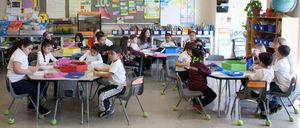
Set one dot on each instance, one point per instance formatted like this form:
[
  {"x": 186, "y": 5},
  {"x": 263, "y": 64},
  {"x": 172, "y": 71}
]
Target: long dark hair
[
  {"x": 80, "y": 36},
  {"x": 123, "y": 44},
  {"x": 143, "y": 37},
  {"x": 46, "y": 43}
]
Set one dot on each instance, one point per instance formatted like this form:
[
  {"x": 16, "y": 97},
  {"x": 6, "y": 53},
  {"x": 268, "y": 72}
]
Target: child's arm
[
  {"x": 18, "y": 70},
  {"x": 101, "y": 69},
  {"x": 100, "y": 60},
  {"x": 82, "y": 58},
  {"x": 103, "y": 74},
  {"x": 40, "y": 59},
  {"x": 204, "y": 69},
  {"x": 182, "y": 64},
  {"x": 52, "y": 58}
]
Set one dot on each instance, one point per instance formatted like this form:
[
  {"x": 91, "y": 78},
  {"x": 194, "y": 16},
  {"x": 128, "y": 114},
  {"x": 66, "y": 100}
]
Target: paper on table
[
  {"x": 46, "y": 67},
  {"x": 39, "y": 73}
]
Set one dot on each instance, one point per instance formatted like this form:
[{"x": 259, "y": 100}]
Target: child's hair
[
  {"x": 25, "y": 43},
  {"x": 260, "y": 47},
  {"x": 143, "y": 37},
  {"x": 280, "y": 40},
  {"x": 45, "y": 34},
  {"x": 80, "y": 36},
  {"x": 45, "y": 43},
  {"x": 284, "y": 50},
  {"x": 98, "y": 35},
  {"x": 198, "y": 53},
  {"x": 265, "y": 58},
  {"x": 133, "y": 36},
  {"x": 191, "y": 31},
  {"x": 189, "y": 46},
  {"x": 115, "y": 48},
  {"x": 96, "y": 47},
  {"x": 168, "y": 34},
  {"x": 123, "y": 44}
]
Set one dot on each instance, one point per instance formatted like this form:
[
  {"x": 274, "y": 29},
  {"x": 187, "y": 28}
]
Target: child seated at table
[
  {"x": 253, "y": 62},
  {"x": 168, "y": 41},
  {"x": 197, "y": 79},
  {"x": 281, "y": 69},
  {"x": 103, "y": 47},
  {"x": 183, "y": 62},
  {"x": 116, "y": 77},
  {"x": 131, "y": 57},
  {"x": 43, "y": 58},
  {"x": 79, "y": 40},
  {"x": 92, "y": 56},
  {"x": 265, "y": 73},
  {"x": 133, "y": 42}
]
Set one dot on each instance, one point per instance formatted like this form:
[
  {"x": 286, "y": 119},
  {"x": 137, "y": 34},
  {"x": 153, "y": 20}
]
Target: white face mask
[{"x": 128, "y": 44}]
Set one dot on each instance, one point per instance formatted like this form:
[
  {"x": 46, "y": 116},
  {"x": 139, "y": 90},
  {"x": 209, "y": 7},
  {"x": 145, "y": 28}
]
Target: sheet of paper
[{"x": 56, "y": 8}]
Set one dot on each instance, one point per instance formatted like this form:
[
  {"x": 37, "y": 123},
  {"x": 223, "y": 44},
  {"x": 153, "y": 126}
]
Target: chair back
[
  {"x": 136, "y": 87},
  {"x": 292, "y": 86},
  {"x": 9, "y": 87},
  {"x": 215, "y": 58},
  {"x": 171, "y": 66},
  {"x": 254, "y": 85}
]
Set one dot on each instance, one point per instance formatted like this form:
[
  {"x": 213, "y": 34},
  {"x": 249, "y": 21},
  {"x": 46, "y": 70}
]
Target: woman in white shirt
[
  {"x": 17, "y": 69},
  {"x": 92, "y": 56}
]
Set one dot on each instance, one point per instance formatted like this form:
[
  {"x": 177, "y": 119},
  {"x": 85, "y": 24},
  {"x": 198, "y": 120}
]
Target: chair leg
[
  {"x": 233, "y": 106},
  {"x": 284, "y": 107},
  {"x": 95, "y": 92},
  {"x": 199, "y": 101},
  {"x": 139, "y": 103},
  {"x": 124, "y": 110},
  {"x": 12, "y": 102},
  {"x": 168, "y": 83},
  {"x": 295, "y": 110}
]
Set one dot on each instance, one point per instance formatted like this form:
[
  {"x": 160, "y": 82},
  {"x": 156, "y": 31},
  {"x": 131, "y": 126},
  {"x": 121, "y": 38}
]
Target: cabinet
[{"x": 265, "y": 29}]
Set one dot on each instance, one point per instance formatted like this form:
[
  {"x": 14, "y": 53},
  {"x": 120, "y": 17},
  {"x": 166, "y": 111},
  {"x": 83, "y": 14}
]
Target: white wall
[
  {"x": 2, "y": 9},
  {"x": 296, "y": 13}
]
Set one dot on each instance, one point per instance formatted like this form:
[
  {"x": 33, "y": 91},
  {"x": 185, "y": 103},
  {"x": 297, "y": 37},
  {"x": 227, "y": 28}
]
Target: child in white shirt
[
  {"x": 168, "y": 42},
  {"x": 44, "y": 56},
  {"x": 92, "y": 56},
  {"x": 183, "y": 62},
  {"x": 116, "y": 78},
  {"x": 265, "y": 73}
]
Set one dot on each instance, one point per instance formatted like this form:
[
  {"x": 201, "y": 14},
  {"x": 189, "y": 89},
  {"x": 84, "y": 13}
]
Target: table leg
[
  {"x": 38, "y": 100},
  {"x": 220, "y": 93},
  {"x": 157, "y": 69},
  {"x": 87, "y": 102}
]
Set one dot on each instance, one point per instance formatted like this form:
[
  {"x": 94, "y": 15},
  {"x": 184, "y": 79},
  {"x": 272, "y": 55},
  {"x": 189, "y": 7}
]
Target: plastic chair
[
  {"x": 170, "y": 73},
  {"x": 136, "y": 88},
  {"x": 215, "y": 58},
  {"x": 246, "y": 95},
  {"x": 187, "y": 94},
  {"x": 11, "y": 120},
  {"x": 281, "y": 95}
]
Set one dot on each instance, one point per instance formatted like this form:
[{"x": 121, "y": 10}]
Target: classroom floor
[{"x": 158, "y": 106}]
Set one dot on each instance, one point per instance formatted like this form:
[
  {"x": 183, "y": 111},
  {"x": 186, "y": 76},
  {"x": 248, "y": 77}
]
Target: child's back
[{"x": 197, "y": 76}]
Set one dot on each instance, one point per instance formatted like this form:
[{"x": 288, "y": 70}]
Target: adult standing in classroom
[{"x": 144, "y": 42}]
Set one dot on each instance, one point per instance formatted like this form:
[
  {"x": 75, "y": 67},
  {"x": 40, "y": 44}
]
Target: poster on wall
[
  {"x": 187, "y": 12},
  {"x": 152, "y": 9},
  {"x": 28, "y": 3},
  {"x": 56, "y": 8},
  {"x": 169, "y": 12},
  {"x": 76, "y": 6}
]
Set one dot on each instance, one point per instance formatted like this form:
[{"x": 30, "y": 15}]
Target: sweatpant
[
  {"x": 43, "y": 83},
  {"x": 209, "y": 96},
  {"x": 104, "y": 94},
  {"x": 27, "y": 86},
  {"x": 274, "y": 101}
]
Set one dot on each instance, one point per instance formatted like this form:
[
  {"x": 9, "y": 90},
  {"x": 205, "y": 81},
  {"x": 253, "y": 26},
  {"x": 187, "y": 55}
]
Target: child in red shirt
[{"x": 197, "y": 81}]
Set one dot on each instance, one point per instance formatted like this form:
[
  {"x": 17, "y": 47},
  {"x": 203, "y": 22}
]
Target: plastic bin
[
  {"x": 234, "y": 65},
  {"x": 70, "y": 50},
  {"x": 263, "y": 27},
  {"x": 256, "y": 27},
  {"x": 271, "y": 28},
  {"x": 74, "y": 67},
  {"x": 171, "y": 50}
]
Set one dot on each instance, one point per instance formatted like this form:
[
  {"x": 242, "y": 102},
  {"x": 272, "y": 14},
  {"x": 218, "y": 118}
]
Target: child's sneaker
[
  {"x": 198, "y": 107},
  {"x": 102, "y": 113},
  {"x": 275, "y": 109}
]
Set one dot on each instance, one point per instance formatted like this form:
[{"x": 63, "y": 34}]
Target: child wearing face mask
[{"x": 92, "y": 56}]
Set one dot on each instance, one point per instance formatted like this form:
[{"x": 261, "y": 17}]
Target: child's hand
[
  {"x": 97, "y": 69},
  {"x": 95, "y": 73},
  {"x": 33, "y": 69}
]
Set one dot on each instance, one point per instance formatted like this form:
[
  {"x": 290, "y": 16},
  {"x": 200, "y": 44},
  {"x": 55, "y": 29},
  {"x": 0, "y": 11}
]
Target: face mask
[{"x": 128, "y": 44}]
